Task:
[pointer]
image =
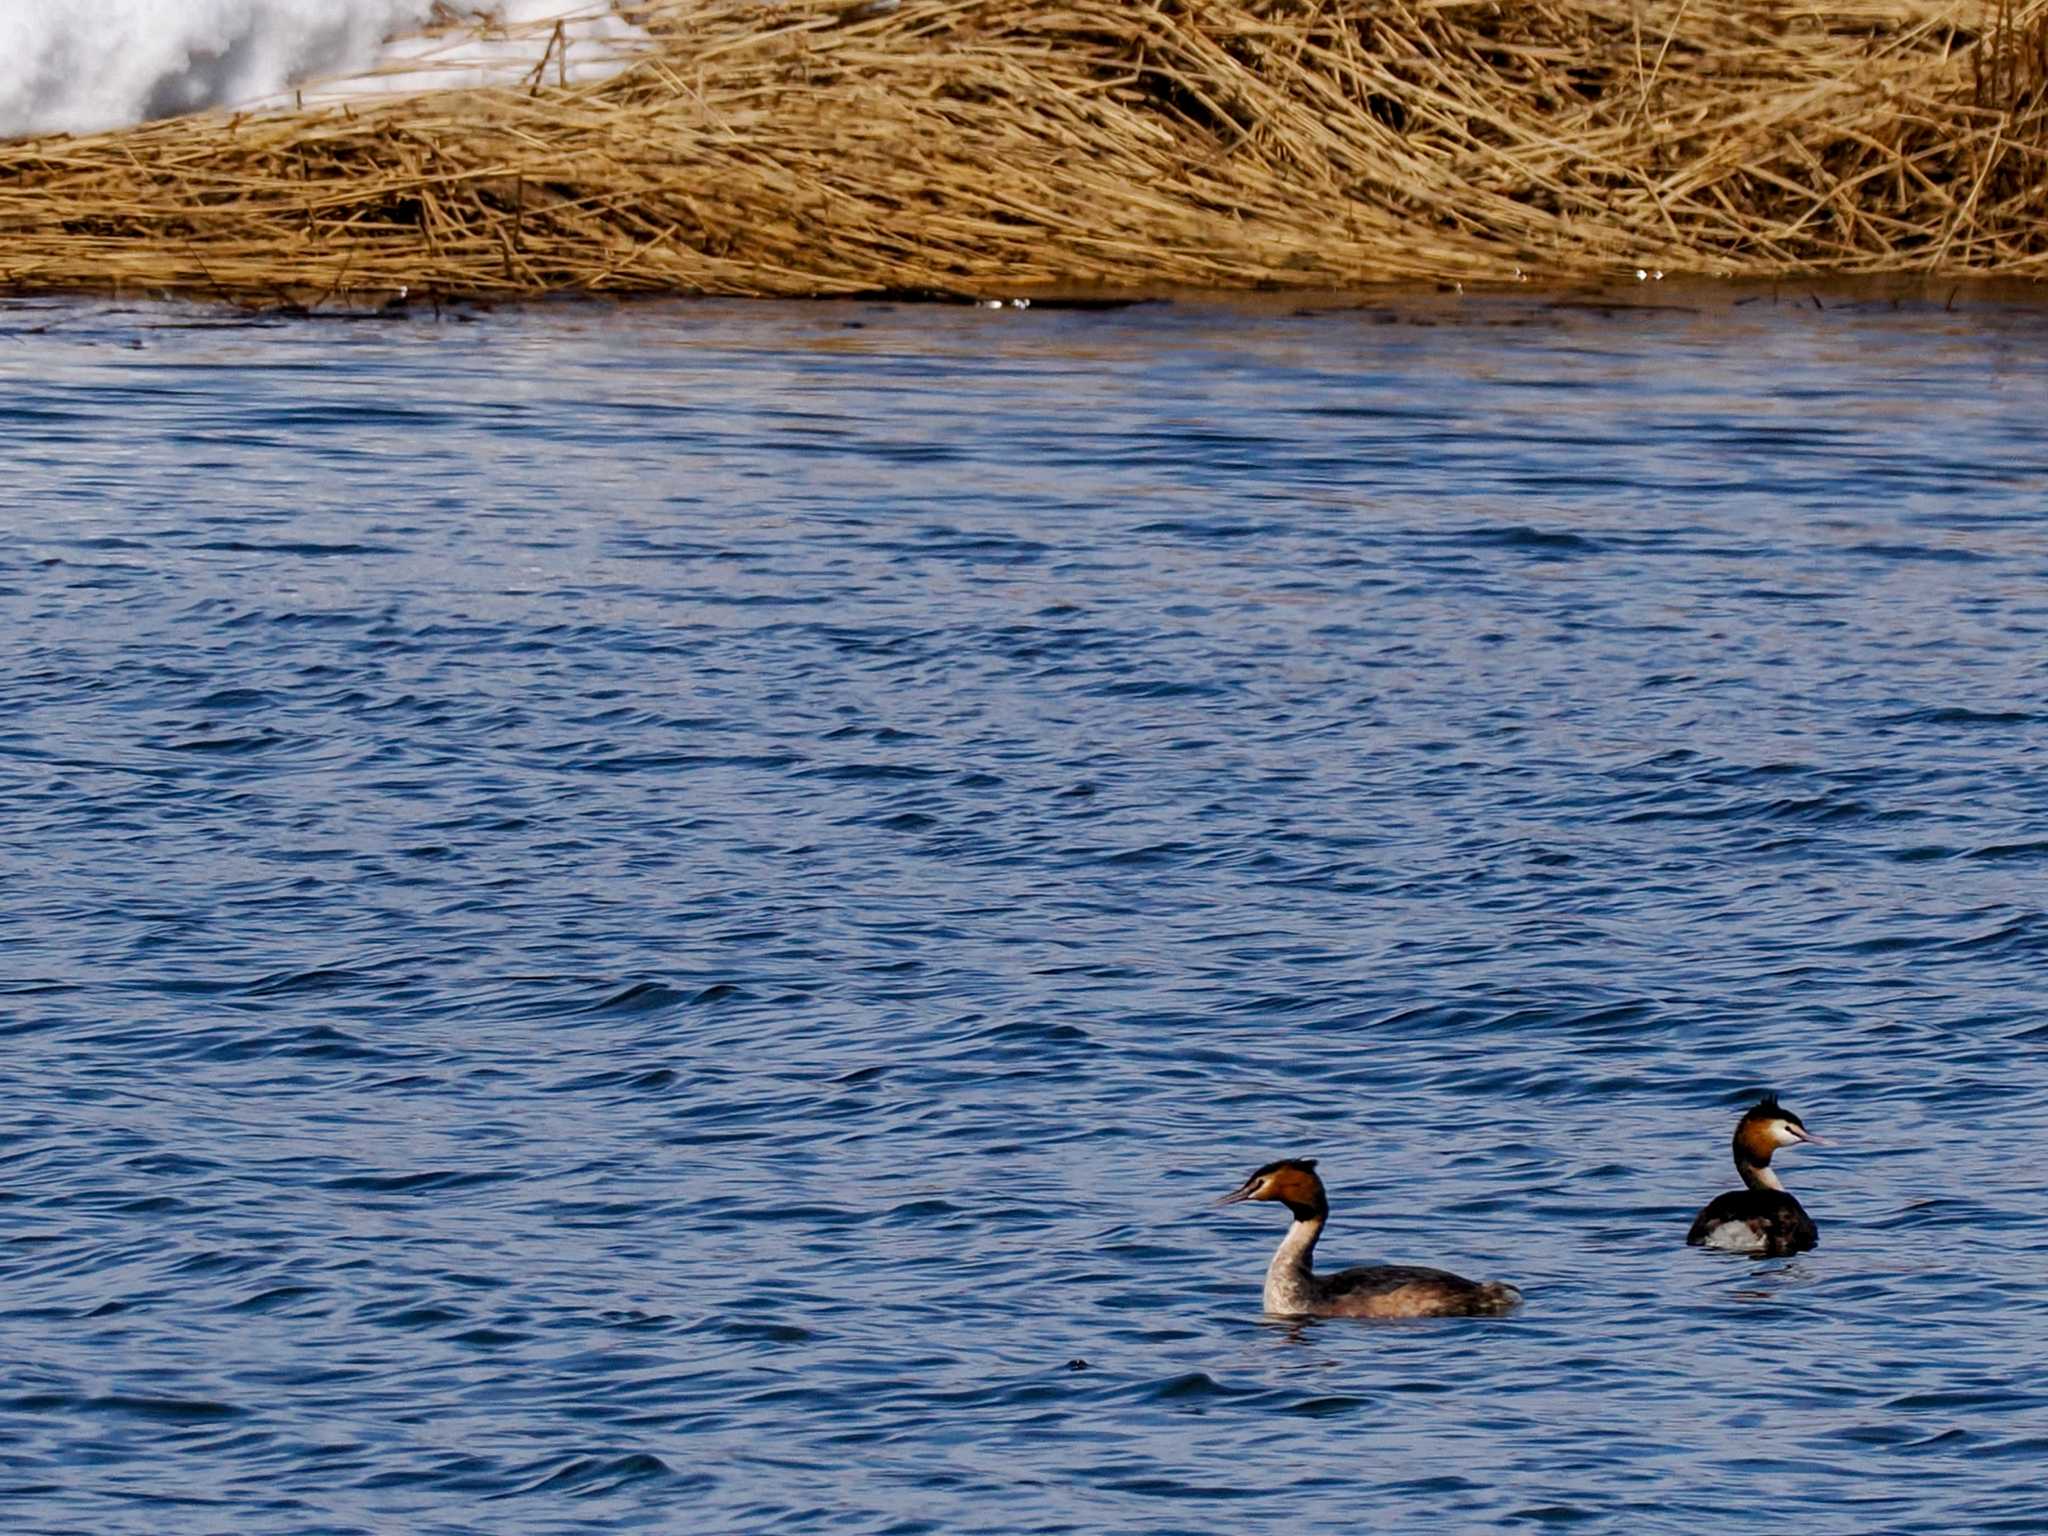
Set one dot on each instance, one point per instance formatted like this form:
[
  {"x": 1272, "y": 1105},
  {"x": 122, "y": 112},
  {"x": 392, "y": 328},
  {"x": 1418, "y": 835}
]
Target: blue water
[{"x": 666, "y": 919}]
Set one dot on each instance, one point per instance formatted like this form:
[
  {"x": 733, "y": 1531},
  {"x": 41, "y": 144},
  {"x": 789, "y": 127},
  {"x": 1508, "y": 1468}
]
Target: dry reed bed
[{"x": 993, "y": 146}]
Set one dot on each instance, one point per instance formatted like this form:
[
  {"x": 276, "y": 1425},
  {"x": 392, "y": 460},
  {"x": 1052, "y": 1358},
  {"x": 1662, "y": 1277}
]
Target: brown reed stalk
[{"x": 1003, "y": 146}]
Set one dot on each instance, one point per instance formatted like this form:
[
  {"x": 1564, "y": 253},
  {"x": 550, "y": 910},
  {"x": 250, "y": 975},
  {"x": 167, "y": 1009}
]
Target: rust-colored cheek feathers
[
  {"x": 1296, "y": 1186},
  {"x": 1756, "y": 1138}
]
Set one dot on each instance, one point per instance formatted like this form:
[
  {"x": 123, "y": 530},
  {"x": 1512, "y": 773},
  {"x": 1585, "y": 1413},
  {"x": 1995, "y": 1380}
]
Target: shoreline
[{"x": 967, "y": 150}]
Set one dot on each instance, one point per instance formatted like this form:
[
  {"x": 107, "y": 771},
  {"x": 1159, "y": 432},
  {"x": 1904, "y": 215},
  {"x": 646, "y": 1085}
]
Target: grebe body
[
  {"x": 1294, "y": 1289},
  {"x": 1762, "y": 1218}
]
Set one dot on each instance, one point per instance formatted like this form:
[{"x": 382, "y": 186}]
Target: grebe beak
[
  {"x": 1807, "y": 1136},
  {"x": 1244, "y": 1193}
]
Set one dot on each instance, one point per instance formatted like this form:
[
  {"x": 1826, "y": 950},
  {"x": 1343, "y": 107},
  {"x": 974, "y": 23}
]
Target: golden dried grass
[{"x": 1000, "y": 146}]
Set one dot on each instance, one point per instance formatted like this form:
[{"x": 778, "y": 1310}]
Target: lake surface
[{"x": 667, "y": 918}]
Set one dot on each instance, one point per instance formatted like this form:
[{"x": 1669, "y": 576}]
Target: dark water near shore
[{"x": 665, "y": 919}]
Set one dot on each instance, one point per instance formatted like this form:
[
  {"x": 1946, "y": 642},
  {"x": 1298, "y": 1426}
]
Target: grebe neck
[
  {"x": 1290, "y": 1278},
  {"x": 1758, "y": 1175}
]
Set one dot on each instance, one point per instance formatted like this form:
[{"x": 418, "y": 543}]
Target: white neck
[
  {"x": 1759, "y": 1176},
  {"x": 1290, "y": 1277}
]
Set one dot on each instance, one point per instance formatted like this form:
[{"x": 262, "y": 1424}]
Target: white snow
[{"x": 75, "y": 66}]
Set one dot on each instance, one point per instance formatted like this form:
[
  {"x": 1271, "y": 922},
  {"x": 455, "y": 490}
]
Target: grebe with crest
[
  {"x": 1294, "y": 1289},
  {"x": 1762, "y": 1218}
]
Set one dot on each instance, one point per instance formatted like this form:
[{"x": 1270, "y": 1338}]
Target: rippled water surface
[{"x": 666, "y": 919}]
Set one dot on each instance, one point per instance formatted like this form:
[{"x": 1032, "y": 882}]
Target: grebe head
[
  {"x": 1767, "y": 1126},
  {"x": 1291, "y": 1181}
]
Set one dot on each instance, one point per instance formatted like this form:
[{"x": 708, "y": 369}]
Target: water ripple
[{"x": 671, "y": 917}]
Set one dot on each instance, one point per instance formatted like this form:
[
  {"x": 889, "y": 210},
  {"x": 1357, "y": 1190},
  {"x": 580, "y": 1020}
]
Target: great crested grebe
[
  {"x": 1762, "y": 1219},
  {"x": 1294, "y": 1289}
]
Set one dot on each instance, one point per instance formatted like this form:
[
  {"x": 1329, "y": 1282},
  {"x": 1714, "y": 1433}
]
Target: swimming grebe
[
  {"x": 1294, "y": 1289},
  {"x": 1762, "y": 1219}
]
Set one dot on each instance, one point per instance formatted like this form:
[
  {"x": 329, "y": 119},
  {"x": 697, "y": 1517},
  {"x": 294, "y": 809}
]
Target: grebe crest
[
  {"x": 1762, "y": 1218},
  {"x": 1294, "y": 1289}
]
